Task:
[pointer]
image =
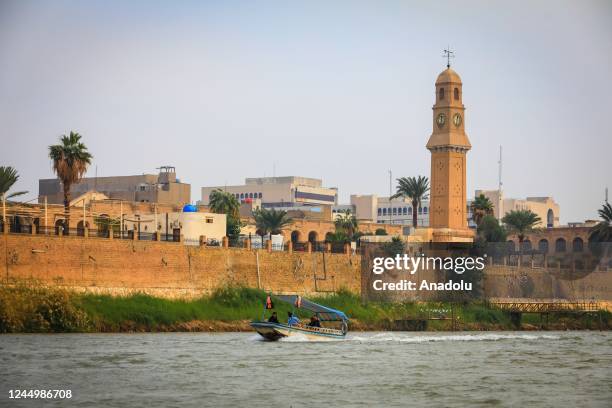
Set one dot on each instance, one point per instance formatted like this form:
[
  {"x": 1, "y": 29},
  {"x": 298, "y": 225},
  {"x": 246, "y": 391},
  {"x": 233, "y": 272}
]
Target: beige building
[
  {"x": 279, "y": 192},
  {"x": 370, "y": 207},
  {"x": 545, "y": 207},
  {"x": 163, "y": 188}
]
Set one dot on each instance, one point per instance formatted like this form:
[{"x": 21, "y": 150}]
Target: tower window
[
  {"x": 441, "y": 92},
  {"x": 456, "y": 94}
]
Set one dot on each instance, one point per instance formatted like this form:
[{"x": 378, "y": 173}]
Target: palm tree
[
  {"x": 8, "y": 177},
  {"x": 271, "y": 221},
  {"x": 70, "y": 160},
  {"x": 222, "y": 202},
  {"x": 346, "y": 222},
  {"x": 416, "y": 190},
  {"x": 521, "y": 222},
  {"x": 480, "y": 207},
  {"x": 602, "y": 232}
]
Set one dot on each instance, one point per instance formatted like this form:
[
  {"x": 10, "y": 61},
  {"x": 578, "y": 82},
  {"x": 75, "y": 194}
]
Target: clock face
[
  {"x": 457, "y": 119},
  {"x": 441, "y": 120}
]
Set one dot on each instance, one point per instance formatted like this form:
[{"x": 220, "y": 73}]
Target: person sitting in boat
[
  {"x": 273, "y": 318},
  {"x": 292, "y": 320},
  {"x": 314, "y": 322}
]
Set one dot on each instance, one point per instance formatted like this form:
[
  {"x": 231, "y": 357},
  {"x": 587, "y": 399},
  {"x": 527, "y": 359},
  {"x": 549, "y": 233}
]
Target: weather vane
[{"x": 448, "y": 54}]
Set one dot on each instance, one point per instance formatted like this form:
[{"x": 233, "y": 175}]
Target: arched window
[
  {"x": 379, "y": 211},
  {"x": 526, "y": 245},
  {"x": 384, "y": 211},
  {"x": 394, "y": 210},
  {"x": 424, "y": 210},
  {"x": 420, "y": 210},
  {"x": 456, "y": 94},
  {"x": 577, "y": 245},
  {"x": 260, "y": 195},
  {"x": 410, "y": 210},
  {"x": 511, "y": 246},
  {"x": 441, "y": 92},
  {"x": 241, "y": 195},
  {"x": 560, "y": 245},
  {"x": 405, "y": 211},
  {"x": 295, "y": 236},
  {"x": 543, "y": 246}
]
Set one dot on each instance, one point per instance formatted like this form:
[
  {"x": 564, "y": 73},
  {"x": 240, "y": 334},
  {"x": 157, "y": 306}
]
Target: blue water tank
[{"x": 190, "y": 208}]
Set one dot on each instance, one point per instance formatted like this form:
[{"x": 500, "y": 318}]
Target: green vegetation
[
  {"x": 602, "y": 232},
  {"x": 521, "y": 222},
  {"x": 271, "y": 221},
  {"x": 70, "y": 160},
  {"x": 481, "y": 207},
  {"x": 415, "y": 189},
  {"x": 35, "y": 309},
  {"x": 222, "y": 202},
  {"x": 8, "y": 177},
  {"x": 346, "y": 223}
]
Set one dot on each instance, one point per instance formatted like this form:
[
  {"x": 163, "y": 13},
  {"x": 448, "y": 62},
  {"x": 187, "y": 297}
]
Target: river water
[{"x": 369, "y": 369}]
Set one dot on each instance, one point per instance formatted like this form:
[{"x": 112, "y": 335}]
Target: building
[
  {"x": 448, "y": 145},
  {"x": 545, "y": 207},
  {"x": 163, "y": 188},
  {"x": 276, "y": 192},
  {"x": 370, "y": 207}
]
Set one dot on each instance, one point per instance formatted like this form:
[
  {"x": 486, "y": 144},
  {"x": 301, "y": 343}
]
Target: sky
[{"x": 338, "y": 90}]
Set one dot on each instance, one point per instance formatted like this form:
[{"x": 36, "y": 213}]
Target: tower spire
[{"x": 448, "y": 54}]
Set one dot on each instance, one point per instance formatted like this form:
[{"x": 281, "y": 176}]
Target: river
[{"x": 466, "y": 369}]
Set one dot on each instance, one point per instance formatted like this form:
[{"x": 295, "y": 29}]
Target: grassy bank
[{"x": 35, "y": 309}]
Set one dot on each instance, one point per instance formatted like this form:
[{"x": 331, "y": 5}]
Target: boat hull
[{"x": 277, "y": 331}]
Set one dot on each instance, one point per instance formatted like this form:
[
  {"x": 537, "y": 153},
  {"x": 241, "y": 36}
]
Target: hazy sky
[{"x": 332, "y": 89}]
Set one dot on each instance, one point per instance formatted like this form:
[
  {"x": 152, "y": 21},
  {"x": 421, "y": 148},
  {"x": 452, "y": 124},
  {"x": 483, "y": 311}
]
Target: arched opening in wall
[
  {"x": 441, "y": 94},
  {"x": 295, "y": 236},
  {"x": 560, "y": 245},
  {"x": 526, "y": 245},
  {"x": 81, "y": 229},
  {"x": 329, "y": 236},
  {"x": 36, "y": 224},
  {"x": 102, "y": 222},
  {"x": 313, "y": 237},
  {"x": 456, "y": 92},
  {"x": 577, "y": 245},
  {"x": 550, "y": 218},
  {"x": 59, "y": 226},
  {"x": 543, "y": 246},
  {"x": 511, "y": 246}
]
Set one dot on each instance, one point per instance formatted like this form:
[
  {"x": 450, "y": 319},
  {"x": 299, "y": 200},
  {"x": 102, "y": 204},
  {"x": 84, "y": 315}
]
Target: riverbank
[{"x": 35, "y": 309}]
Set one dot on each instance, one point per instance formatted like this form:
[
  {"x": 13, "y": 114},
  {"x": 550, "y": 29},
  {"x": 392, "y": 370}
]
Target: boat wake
[{"x": 412, "y": 338}]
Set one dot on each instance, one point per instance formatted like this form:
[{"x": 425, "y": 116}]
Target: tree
[
  {"x": 70, "y": 160},
  {"x": 346, "y": 222},
  {"x": 394, "y": 247},
  {"x": 338, "y": 236},
  {"x": 8, "y": 177},
  {"x": 222, "y": 202},
  {"x": 490, "y": 230},
  {"x": 271, "y": 221},
  {"x": 481, "y": 206},
  {"x": 416, "y": 190},
  {"x": 521, "y": 222},
  {"x": 602, "y": 232},
  {"x": 380, "y": 231}
]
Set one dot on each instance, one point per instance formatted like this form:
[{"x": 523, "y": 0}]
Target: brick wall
[{"x": 169, "y": 269}]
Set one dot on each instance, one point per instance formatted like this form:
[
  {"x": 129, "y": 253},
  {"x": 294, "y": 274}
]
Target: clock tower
[{"x": 448, "y": 145}]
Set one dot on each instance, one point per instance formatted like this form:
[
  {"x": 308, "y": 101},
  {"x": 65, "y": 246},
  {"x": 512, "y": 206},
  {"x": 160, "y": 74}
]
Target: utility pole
[
  {"x": 390, "y": 194},
  {"x": 500, "y": 185}
]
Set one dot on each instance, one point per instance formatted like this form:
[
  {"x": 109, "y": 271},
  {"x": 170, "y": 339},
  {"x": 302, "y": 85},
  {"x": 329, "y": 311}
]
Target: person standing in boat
[
  {"x": 273, "y": 318},
  {"x": 292, "y": 320},
  {"x": 314, "y": 321}
]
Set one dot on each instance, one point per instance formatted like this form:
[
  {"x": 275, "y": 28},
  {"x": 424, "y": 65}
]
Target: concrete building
[
  {"x": 370, "y": 207},
  {"x": 545, "y": 207},
  {"x": 279, "y": 192},
  {"x": 163, "y": 188}
]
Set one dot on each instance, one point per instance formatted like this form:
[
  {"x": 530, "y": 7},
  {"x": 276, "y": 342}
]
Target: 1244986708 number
[{"x": 40, "y": 394}]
